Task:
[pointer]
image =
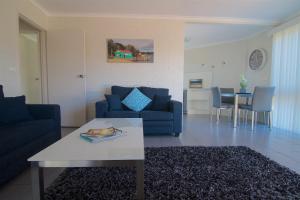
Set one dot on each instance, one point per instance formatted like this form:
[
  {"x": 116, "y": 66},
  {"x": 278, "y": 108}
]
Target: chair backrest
[
  {"x": 216, "y": 96},
  {"x": 262, "y": 99},
  {"x": 229, "y": 100},
  {"x": 1, "y": 92}
]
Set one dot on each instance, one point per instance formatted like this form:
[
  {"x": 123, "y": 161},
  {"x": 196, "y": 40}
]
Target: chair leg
[
  {"x": 265, "y": 118},
  {"x": 246, "y": 116},
  {"x": 253, "y": 119},
  {"x": 256, "y": 118},
  {"x": 270, "y": 119},
  {"x": 211, "y": 114},
  {"x": 218, "y": 114}
]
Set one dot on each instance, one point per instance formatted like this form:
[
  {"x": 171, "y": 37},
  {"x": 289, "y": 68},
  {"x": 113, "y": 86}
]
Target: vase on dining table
[
  {"x": 243, "y": 90},
  {"x": 243, "y": 84}
]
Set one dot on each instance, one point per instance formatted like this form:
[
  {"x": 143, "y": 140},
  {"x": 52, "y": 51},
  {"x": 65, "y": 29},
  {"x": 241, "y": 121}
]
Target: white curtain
[{"x": 286, "y": 78}]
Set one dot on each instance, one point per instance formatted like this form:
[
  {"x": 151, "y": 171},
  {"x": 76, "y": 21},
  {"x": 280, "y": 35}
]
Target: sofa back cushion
[
  {"x": 121, "y": 91},
  {"x": 1, "y": 92},
  {"x": 161, "y": 103},
  {"x": 13, "y": 110},
  {"x": 151, "y": 92}
]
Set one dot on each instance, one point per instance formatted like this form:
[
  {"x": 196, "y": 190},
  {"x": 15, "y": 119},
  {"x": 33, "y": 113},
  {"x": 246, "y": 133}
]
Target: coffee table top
[{"x": 129, "y": 146}]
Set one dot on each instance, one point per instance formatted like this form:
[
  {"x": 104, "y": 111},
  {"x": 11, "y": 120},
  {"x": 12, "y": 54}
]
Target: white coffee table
[{"x": 72, "y": 151}]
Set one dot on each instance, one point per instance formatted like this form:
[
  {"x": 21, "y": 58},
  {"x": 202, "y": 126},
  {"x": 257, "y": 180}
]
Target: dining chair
[
  {"x": 217, "y": 103},
  {"x": 228, "y": 100},
  {"x": 261, "y": 103}
]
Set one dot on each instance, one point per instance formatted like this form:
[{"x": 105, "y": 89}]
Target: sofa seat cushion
[
  {"x": 156, "y": 115},
  {"x": 122, "y": 114},
  {"x": 14, "y": 136}
]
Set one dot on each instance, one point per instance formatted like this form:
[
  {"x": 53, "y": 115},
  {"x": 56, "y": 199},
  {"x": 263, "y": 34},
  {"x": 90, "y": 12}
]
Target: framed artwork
[{"x": 130, "y": 51}]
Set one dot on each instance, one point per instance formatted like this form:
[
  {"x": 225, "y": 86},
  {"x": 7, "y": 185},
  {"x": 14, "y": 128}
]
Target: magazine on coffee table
[{"x": 99, "y": 135}]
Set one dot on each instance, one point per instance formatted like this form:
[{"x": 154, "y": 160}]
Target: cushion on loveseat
[
  {"x": 156, "y": 115},
  {"x": 114, "y": 102},
  {"x": 13, "y": 110},
  {"x": 122, "y": 114},
  {"x": 121, "y": 91},
  {"x": 136, "y": 100},
  {"x": 17, "y": 135},
  {"x": 151, "y": 92}
]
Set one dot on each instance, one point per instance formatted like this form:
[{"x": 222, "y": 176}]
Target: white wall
[
  {"x": 9, "y": 40},
  {"x": 166, "y": 71},
  {"x": 235, "y": 56}
]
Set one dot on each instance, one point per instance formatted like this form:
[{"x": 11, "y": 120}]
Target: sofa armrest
[
  {"x": 176, "y": 109},
  {"x": 46, "y": 111},
  {"x": 101, "y": 108}
]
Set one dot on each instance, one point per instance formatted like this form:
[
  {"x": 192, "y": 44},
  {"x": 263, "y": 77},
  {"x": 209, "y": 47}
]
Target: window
[{"x": 286, "y": 78}]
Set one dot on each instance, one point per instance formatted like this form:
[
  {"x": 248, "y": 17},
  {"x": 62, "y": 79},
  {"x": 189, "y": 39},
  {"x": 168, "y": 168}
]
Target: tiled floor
[{"x": 281, "y": 146}]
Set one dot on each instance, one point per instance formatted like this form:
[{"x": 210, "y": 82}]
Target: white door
[
  {"x": 30, "y": 63},
  {"x": 66, "y": 75}
]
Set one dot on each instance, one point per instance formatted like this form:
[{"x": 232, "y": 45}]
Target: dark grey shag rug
[{"x": 184, "y": 173}]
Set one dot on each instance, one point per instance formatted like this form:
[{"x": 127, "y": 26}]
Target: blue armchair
[
  {"x": 155, "y": 122},
  {"x": 21, "y": 140}
]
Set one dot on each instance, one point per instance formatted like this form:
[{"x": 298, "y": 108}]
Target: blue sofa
[
  {"x": 20, "y": 141},
  {"x": 155, "y": 122}
]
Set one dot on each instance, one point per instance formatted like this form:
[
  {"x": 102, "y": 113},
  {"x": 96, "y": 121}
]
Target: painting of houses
[{"x": 130, "y": 51}]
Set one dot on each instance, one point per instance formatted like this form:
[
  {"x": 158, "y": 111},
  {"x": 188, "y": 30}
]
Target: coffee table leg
[
  {"x": 37, "y": 178},
  {"x": 140, "y": 179}
]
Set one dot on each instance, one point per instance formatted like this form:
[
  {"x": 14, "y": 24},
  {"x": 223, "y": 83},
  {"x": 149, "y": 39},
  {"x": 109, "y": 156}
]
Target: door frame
[{"x": 43, "y": 55}]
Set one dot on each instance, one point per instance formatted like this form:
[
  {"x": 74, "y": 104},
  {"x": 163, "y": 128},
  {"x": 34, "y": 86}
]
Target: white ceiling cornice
[
  {"x": 36, "y": 4},
  {"x": 186, "y": 19}
]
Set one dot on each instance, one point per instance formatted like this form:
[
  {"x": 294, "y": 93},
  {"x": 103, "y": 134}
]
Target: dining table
[{"x": 236, "y": 96}]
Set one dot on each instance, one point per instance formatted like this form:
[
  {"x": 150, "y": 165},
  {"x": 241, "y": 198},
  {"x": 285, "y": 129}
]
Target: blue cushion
[
  {"x": 114, "y": 102},
  {"x": 122, "y": 114},
  {"x": 136, "y": 100},
  {"x": 1, "y": 92},
  {"x": 161, "y": 103},
  {"x": 13, "y": 109},
  {"x": 156, "y": 115}
]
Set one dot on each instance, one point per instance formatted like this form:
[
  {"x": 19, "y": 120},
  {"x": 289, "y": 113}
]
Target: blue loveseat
[
  {"x": 155, "y": 122},
  {"x": 21, "y": 140}
]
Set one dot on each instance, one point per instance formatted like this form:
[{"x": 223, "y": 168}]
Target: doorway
[{"x": 30, "y": 62}]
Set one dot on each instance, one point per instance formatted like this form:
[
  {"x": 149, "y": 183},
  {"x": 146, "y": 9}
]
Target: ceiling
[{"x": 209, "y": 21}]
